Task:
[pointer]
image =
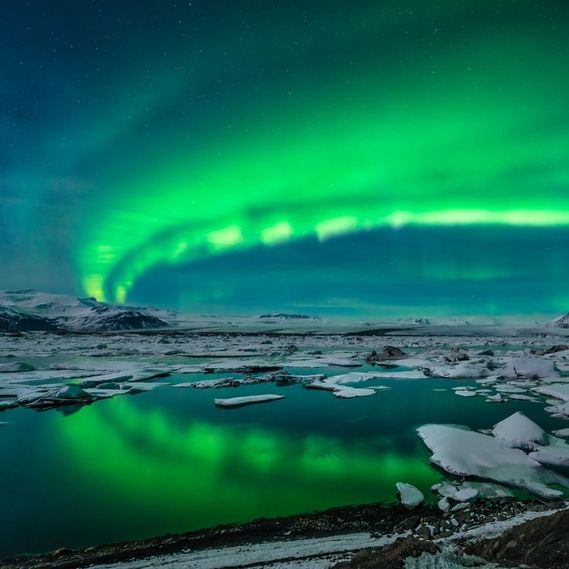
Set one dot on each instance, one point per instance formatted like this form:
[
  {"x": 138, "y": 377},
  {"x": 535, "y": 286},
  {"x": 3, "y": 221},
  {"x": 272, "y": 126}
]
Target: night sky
[{"x": 374, "y": 158}]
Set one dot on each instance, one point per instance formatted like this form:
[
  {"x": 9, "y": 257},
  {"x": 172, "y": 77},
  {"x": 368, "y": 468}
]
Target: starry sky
[{"x": 361, "y": 158}]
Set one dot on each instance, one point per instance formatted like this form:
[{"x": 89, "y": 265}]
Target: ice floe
[
  {"x": 462, "y": 452},
  {"x": 346, "y": 392},
  {"x": 561, "y": 433},
  {"x": 66, "y": 395},
  {"x": 233, "y": 402},
  {"x": 517, "y": 431},
  {"x": 410, "y": 496}
]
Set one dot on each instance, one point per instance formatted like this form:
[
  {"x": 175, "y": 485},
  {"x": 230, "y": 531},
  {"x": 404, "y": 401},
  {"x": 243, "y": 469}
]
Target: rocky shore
[{"x": 423, "y": 530}]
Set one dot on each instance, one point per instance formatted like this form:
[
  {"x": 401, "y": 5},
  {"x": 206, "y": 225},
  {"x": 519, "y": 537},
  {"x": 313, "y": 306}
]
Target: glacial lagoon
[{"x": 170, "y": 461}]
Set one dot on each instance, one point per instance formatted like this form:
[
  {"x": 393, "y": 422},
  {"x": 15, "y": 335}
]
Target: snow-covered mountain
[
  {"x": 28, "y": 310},
  {"x": 104, "y": 317},
  {"x": 15, "y": 321},
  {"x": 561, "y": 321},
  {"x": 287, "y": 316},
  {"x": 414, "y": 321}
]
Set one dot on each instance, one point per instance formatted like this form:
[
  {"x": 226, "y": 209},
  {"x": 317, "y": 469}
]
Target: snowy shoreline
[{"x": 318, "y": 540}]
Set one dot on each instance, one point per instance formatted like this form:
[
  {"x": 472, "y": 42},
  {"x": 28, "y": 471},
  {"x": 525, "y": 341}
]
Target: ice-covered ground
[{"x": 531, "y": 368}]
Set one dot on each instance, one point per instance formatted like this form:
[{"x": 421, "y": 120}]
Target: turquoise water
[{"x": 169, "y": 460}]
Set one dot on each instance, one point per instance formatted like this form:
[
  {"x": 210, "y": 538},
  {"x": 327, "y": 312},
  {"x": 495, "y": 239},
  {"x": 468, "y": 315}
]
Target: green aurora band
[{"x": 478, "y": 136}]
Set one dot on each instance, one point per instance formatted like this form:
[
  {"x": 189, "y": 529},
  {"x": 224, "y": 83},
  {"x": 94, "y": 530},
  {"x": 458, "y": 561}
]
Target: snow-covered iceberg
[{"x": 462, "y": 452}]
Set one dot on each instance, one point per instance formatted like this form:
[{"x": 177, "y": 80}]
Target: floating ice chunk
[
  {"x": 464, "y": 393},
  {"x": 322, "y": 385},
  {"x": 146, "y": 374},
  {"x": 337, "y": 384},
  {"x": 487, "y": 380},
  {"x": 107, "y": 392},
  {"x": 233, "y": 402},
  {"x": 509, "y": 389},
  {"x": 16, "y": 367},
  {"x": 346, "y": 392},
  {"x": 555, "y": 454},
  {"x": 305, "y": 363},
  {"x": 462, "y": 370},
  {"x": 408, "y": 374},
  {"x": 339, "y": 362},
  {"x": 213, "y": 383},
  {"x": 498, "y": 398},
  {"x": 237, "y": 366},
  {"x": 457, "y": 493},
  {"x": 517, "y": 431},
  {"x": 71, "y": 392},
  {"x": 466, "y": 495},
  {"x": 140, "y": 386},
  {"x": 95, "y": 381},
  {"x": 561, "y": 393},
  {"x": 488, "y": 490},
  {"x": 561, "y": 410},
  {"x": 561, "y": 433},
  {"x": 286, "y": 378},
  {"x": 528, "y": 367},
  {"x": 68, "y": 394},
  {"x": 410, "y": 496},
  {"x": 353, "y": 377},
  {"x": 524, "y": 398},
  {"x": 557, "y": 390},
  {"x": 462, "y": 452},
  {"x": 445, "y": 489},
  {"x": 188, "y": 369}
]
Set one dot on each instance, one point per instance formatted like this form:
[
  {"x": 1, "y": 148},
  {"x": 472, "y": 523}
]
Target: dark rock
[
  {"x": 409, "y": 523},
  {"x": 457, "y": 355},
  {"x": 423, "y": 532},
  {"x": 388, "y": 353},
  {"x": 286, "y": 316},
  {"x": 390, "y": 557},
  {"x": 541, "y": 543}
]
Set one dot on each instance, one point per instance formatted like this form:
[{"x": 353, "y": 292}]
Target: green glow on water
[
  {"x": 169, "y": 461},
  {"x": 228, "y": 473}
]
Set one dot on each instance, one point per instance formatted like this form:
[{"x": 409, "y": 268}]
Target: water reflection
[{"x": 230, "y": 472}]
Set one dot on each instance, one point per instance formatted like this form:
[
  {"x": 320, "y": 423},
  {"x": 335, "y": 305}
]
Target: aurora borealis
[{"x": 394, "y": 157}]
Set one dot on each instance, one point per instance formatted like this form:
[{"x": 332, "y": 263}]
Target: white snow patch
[{"x": 268, "y": 555}]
